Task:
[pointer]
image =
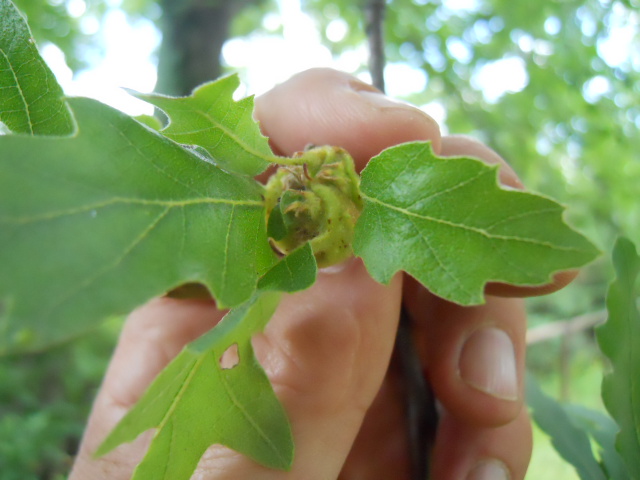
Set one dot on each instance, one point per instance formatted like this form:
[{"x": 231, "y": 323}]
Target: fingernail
[
  {"x": 375, "y": 97},
  {"x": 380, "y": 100},
  {"x": 338, "y": 267},
  {"x": 488, "y": 363},
  {"x": 489, "y": 470}
]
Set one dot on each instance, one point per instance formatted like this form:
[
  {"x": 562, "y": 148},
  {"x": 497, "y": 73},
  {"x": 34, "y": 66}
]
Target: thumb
[{"x": 326, "y": 107}]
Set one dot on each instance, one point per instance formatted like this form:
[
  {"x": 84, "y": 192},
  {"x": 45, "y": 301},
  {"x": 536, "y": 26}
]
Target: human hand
[{"x": 327, "y": 350}]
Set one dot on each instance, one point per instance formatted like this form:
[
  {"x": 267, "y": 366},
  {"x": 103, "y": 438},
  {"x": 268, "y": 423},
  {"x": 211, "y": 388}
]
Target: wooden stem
[{"x": 374, "y": 14}]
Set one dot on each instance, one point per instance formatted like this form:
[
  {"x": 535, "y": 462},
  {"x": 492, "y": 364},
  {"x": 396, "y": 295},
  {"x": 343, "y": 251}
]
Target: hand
[{"x": 327, "y": 350}]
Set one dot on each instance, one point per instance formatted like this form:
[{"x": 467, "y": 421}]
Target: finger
[
  {"x": 475, "y": 356},
  {"x": 381, "y": 449},
  {"x": 327, "y": 107},
  {"x": 326, "y": 352},
  {"x": 464, "y": 376},
  {"x": 150, "y": 338},
  {"x": 458, "y": 145},
  {"x": 462, "y": 145},
  {"x": 500, "y": 453}
]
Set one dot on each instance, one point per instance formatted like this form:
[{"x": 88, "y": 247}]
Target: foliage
[
  {"x": 226, "y": 131},
  {"x": 44, "y": 402},
  {"x": 194, "y": 403},
  {"x": 32, "y": 101},
  {"x": 99, "y": 221},
  {"x": 570, "y": 441},
  {"x": 117, "y": 202},
  {"x": 570, "y": 129},
  {"x": 408, "y": 210},
  {"x": 74, "y": 26},
  {"x": 619, "y": 340},
  {"x": 573, "y": 428}
]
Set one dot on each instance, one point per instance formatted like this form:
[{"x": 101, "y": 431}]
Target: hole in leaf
[
  {"x": 191, "y": 290},
  {"x": 230, "y": 358}
]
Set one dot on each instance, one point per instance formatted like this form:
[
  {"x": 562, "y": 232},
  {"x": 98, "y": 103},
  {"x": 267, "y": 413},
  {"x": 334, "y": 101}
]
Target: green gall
[{"x": 316, "y": 200}]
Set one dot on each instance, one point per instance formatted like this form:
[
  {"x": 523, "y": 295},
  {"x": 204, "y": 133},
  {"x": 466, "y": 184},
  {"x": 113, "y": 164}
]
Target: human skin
[{"x": 327, "y": 350}]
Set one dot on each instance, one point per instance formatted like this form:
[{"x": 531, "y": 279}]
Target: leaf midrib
[
  {"x": 248, "y": 417},
  {"x": 24, "y": 100},
  {"x": 135, "y": 201},
  {"x": 469, "y": 228},
  {"x": 216, "y": 125}
]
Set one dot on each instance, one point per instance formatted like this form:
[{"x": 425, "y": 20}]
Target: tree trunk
[{"x": 193, "y": 33}]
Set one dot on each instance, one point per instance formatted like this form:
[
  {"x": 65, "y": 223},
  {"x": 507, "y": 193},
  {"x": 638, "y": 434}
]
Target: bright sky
[{"x": 129, "y": 47}]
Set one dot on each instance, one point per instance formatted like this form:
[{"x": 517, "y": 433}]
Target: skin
[{"x": 327, "y": 351}]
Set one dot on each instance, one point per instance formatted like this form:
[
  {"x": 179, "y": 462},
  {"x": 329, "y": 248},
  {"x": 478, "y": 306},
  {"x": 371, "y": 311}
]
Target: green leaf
[
  {"x": 446, "y": 222},
  {"x": 31, "y": 101},
  {"x": 619, "y": 340},
  {"x": 195, "y": 403},
  {"x": 294, "y": 272},
  {"x": 571, "y": 443},
  {"x": 150, "y": 121},
  {"x": 96, "y": 224},
  {"x": 603, "y": 430},
  {"x": 211, "y": 119}
]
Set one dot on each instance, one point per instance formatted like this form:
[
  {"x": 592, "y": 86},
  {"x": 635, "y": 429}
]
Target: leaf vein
[
  {"x": 19, "y": 89},
  {"x": 88, "y": 281},
  {"x": 479, "y": 231},
  {"x": 216, "y": 125},
  {"x": 226, "y": 249},
  {"x": 149, "y": 159},
  {"x": 440, "y": 263},
  {"x": 450, "y": 189},
  {"x": 249, "y": 418},
  {"x": 135, "y": 201}
]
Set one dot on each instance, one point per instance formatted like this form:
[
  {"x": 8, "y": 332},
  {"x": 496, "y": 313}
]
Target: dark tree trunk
[{"x": 193, "y": 33}]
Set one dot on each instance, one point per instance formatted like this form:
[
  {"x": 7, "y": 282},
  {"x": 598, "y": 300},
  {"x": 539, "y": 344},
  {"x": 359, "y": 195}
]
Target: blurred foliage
[
  {"x": 250, "y": 20},
  {"x": 44, "y": 403},
  {"x": 74, "y": 25}
]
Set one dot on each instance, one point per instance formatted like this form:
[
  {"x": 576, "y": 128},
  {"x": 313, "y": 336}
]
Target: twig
[
  {"x": 421, "y": 414},
  {"x": 565, "y": 327},
  {"x": 374, "y": 14}
]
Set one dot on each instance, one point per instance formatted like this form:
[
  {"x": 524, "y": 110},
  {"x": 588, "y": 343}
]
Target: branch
[
  {"x": 420, "y": 402},
  {"x": 374, "y": 15},
  {"x": 565, "y": 327}
]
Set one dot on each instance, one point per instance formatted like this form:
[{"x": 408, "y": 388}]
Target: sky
[{"x": 128, "y": 58}]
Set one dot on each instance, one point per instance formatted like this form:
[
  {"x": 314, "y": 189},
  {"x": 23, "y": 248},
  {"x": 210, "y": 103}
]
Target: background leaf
[
  {"x": 211, "y": 119},
  {"x": 96, "y": 224},
  {"x": 195, "y": 403},
  {"x": 619, "y": 340},
  {"x": 571, "y": 442},
  {"x": 446, "y": 222},
  {"x": 31, "y": 101},
  {"x": 603, "y": 430}
]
